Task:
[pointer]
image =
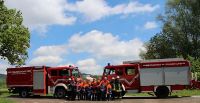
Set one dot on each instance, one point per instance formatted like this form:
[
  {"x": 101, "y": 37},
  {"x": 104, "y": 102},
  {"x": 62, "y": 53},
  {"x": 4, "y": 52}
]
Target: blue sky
[{"x": 87, "y": 33}]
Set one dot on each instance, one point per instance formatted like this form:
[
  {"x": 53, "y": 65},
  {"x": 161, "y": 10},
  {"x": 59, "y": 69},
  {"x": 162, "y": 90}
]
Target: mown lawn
[
  {"x": 194, "y": 92},
  {"x": 4, "y": 93},
  {"x": 3, "y": 96},
  {"x": 182, "y": 93}
]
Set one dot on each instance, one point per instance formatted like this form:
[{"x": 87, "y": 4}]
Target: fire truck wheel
[
  {"x": 162, "y": 92},
  {"x": 60, "y": 93},
  {"x": 24, "y": 93}
]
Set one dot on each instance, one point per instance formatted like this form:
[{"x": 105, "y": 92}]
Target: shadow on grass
[{"x": 3, "y": 92}]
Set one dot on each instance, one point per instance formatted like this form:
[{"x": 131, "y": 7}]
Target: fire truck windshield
[
  {"x": 109, "y": 71},
  {"x": 106, "y": 71},
  {"x": 64, "y": 73},
  {"x": 75, "y": 72}
]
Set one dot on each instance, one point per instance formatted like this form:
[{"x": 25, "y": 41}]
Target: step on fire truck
[
  {"x": 40, "y": 80},
  {"x": 160, "y": 76}
]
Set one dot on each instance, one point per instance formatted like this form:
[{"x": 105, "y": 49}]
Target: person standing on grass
[
  {"x": 103, "y": 85},
  {"x": 108, "y": 92},
  {"x": 69, "y": 90},
  {"x": 112, "y": 83},
  {"x": 82, "y": 91},
  {"x": 94, "y": 89},
  {"x": 78, "y": 85},
  {"x": 89, "y": 91},
  {"x": 117, "y": 87},
  {"x": 85, "y": 85},
  {"x": 72, "y": 89},
  {"x": 98, "y": 92}
]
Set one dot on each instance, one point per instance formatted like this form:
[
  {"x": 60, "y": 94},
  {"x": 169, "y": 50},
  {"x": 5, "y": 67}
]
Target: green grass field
[
  {"x": 182, "y": 93},
  {"x": 4, "y": 92},
  {"x": 3, "y": 96},
  {"x": 187, "y": 93}
]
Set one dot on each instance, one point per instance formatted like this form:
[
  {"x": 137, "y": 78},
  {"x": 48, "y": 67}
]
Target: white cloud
[
  {"x": 90, "y": 66},
  {"x": 45, "y": 60},
  {"x": 49, "y": 55},
  {"x": 91, "y": 9},
  {"x": 101, "y": 47},
  {"x": 136, "y": 7},
  {"x": 38, "y": 14},
  {"x": 150, "y": 25},
  {"x": 96, "y": 9},
  {"x": 105, "y": 45},
  {"x": 53, "y": 50}
]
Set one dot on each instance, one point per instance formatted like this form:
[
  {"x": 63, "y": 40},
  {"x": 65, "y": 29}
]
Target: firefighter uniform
[
  {"x": 82, "y": 90},
  {"x": 79, "y": 87},
  {"x": 94, "y": 89},
  {"x": 109, "y": 91},
  {"x": 89, "y": 91},
  {"x": 117, "y": 88},
  {"x": 71, "y": 89},
  {"x": 103, "y": 88},
  {"x": 98, "y": 92},
  {"x": 85, "y": 85}
]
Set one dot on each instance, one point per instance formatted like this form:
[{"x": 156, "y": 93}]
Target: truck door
[
  {"x": 130, "y": 79},
  {"x": 119, "y": 71},
  {"x": 39, "y": 81}
]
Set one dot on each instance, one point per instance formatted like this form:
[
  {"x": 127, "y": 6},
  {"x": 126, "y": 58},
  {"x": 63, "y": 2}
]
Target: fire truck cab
[
  {"x": 161, "y": 76},
  {"x": 40, "y": 80}
]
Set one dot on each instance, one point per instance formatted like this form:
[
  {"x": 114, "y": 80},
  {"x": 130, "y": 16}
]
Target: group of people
[{"x": 97, "y": 89}]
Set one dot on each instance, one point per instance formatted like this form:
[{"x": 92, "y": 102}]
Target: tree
[
  {"x": 159, "y": 47},
  {"x": 180, "y": 35},
  {"x": 14, "y": 36},
  {"x": 182, "y": 24},
  {"x": 195, "y": 64}
]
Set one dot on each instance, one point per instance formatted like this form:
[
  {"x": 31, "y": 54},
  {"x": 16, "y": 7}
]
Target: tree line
[{"x": 180, "y": 34}]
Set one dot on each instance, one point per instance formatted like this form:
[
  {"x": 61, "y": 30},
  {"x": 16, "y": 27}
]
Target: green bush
[{"x": 195, "y": 66}]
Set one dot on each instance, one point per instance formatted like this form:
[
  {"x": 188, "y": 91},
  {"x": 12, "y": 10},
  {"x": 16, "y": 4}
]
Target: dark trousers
[
  {"x": 88, "y": 95},
  {"x": 98, "y": 96},
  {"x": 71, "y": 95},
  {"x": 103, "y": 95},
  {"x": 78, "y": 95},
  {"x": 109, "y": 96},
  {"x": 94, "y": 96}
]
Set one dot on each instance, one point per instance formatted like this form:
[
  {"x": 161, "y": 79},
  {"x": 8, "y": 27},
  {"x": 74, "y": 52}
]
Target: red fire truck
[
  {"x": 161, "y": 76},
  {"x": 40, "y": 80}
]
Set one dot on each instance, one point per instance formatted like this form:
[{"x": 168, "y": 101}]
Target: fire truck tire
[
  {"x": 24, "y": 93},
  {"x": 60, "y": 93},
  {"x": 162, "y": 92}
]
